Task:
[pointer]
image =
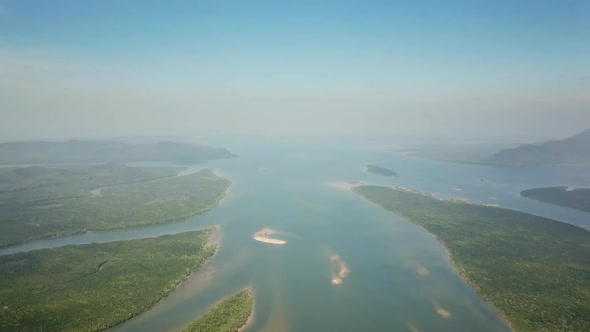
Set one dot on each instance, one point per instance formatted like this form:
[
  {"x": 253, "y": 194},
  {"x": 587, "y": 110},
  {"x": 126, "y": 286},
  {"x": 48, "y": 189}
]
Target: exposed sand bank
[
  {"x": 268, "y": 240},
  {"x": 264, "y": 234}
]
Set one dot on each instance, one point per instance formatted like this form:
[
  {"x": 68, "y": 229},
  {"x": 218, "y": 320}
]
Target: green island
[
  {"x": 39, "y": 202},
  {"x": 92, "y": 287},
  {"x": 380, "y": 170},
  {"x": 578, "y": 198},
  {"x": 535, "y": 270},
  {"x": 229, "y": 315}
]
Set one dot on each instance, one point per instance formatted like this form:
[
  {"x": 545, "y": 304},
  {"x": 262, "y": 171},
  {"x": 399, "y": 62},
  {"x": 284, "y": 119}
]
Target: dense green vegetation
[
  {"x": 380, "y": 170},
  {"x": 571, "y": 150},
  {"x": 38, "y": 152},
  {"x": 578, "y": 198},
  {"x": 535, "y": 270},
  {"x": 40, "y": 183},
  {"x": 227, "y": 316},
  {"x": 95, "y": 286},
  {"x": 37, "y": 202}
]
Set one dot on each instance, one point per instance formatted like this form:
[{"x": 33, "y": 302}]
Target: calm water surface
[{"x": 399, "y": 277}]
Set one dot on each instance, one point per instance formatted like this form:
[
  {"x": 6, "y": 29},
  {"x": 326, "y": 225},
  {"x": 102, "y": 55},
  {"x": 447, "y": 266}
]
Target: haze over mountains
[
  {"x": 571, "y": 150},
  {"x": 38, "y": 152}
]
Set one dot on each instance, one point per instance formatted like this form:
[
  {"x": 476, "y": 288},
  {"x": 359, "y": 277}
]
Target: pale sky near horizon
[{"x": 460, "y": 71}]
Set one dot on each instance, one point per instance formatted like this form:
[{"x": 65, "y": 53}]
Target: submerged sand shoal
[{"x": 339, "y": 270}]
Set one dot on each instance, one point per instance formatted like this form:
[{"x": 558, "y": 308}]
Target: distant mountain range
[
  {"x": 40, "y": 152},
  {"x": 571, "y": 150}
]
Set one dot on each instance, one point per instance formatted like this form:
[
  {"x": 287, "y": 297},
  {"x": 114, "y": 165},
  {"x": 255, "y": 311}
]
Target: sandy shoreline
[
  {"x": 347, "y": 186},
  {"x": 211, "y": 242},
  {"x": 227, "y": 189},
  {"x": 225, "y": 193},
  {"x": 501, "y": 314},
  {"x": 214, "y": 238},
  {"x": 456, "y": 267},
  {"x": 250, "y": 319},
  {"x": 193, "y": 273},
  {"x": 214, "y": 204},
  {"x": 263, "y": 236},
  {"x": 457, "y": 200}
]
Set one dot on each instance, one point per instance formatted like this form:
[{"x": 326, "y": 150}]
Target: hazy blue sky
[{"x": 460, "y": 70}]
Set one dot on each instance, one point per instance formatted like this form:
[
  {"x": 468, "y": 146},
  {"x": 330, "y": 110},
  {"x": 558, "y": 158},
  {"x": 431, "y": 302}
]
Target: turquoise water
[{"x": 399, "y": 277}]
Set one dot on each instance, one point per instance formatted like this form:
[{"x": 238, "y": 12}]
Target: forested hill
[
  {"x": 571, "y": 150},
  {"x": 39, "y": 152}
]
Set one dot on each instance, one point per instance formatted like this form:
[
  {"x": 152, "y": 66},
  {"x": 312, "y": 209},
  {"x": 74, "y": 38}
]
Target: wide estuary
[{"x": 347, "y": 265}]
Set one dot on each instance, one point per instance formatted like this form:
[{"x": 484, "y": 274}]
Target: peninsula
[
  {"x": 533, "y": 269},
  {"x": 231, "y": 314},
  {"x": 92, "y": 287},
  {"x": 578, "y": 198},
  {"x": 40, "y": 201}
]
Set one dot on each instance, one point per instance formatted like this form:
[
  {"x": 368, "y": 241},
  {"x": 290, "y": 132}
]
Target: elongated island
[{"x": 535, "y": 270}]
